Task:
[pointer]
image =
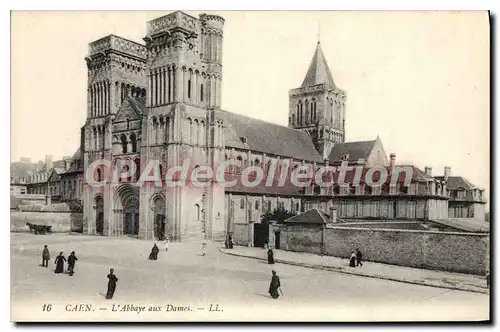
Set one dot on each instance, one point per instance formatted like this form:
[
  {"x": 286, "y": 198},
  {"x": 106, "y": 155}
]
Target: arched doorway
[
  {"x": 131, "y": 216},
  {"x": 159, "y": 217},
  {"x": 128, "y": 200},
  {"x": 99, "y": 215}
]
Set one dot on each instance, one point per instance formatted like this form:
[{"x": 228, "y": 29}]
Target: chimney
[
  {"x": 48, "y": 162},
  {"x": 447, "y": 172},
  {"x": 428, "y": 170},
  {"x": 393, "y": 159}
]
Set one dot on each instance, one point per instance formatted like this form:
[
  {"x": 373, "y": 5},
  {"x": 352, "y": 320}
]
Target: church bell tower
[{"x": 318, "y": 106}]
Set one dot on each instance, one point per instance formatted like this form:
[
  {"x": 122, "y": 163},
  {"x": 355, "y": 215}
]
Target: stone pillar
[
  {"x": 194, "y": 89},
  {"x": 185, "y": 78},
  {"x": 178, "y": 84}
]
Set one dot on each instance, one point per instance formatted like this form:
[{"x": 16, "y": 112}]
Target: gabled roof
[
  {"x": 266, "y": 137},
  {"x": 318, "y": 72},
  {"x": 313, "y": 216},
  {"x": 456, "y": 182},
  {"x": 131, "y": 108},
  {"x": 353, "y": 151}
]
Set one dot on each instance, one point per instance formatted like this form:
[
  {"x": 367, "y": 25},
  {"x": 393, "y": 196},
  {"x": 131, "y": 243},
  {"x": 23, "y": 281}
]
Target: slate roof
[
  {"x": 455, "y": 182},
  {"x": 266, "y": 137},
  {"x": 465, "y": 224},
  {"x": 354, "y": 150},
  {"x": 318, "y": 72},
  {"x": 313, "y": 216},
  {"x": 130, "y": 106}
]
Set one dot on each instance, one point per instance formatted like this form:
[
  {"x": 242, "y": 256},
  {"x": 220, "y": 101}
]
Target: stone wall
[
  {"x": 61, "y": 222},
  {"x": 447, "y": 251},
  {"x": 302, "y": 238}
]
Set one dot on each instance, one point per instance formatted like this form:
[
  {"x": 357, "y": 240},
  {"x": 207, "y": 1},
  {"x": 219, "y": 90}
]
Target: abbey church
[{"x": 161, "y": 100}]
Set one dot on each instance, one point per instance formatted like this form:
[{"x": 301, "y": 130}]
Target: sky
[{"x": 418, "y": 80}]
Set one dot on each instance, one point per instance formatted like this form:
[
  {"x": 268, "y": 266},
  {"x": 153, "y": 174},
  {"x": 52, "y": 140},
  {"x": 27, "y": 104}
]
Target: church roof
[
  {"x": 351, "y": 151},
  {"x": 318, "y": 72},
  {"x": 456, "y": 182},
  {"x": 266, "y": 137},
  {"x": 313, "y": 216}
]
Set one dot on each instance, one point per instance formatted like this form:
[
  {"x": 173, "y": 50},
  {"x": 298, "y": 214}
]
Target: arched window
[
  {"x": 293, "y": 119},
  {"x": 257, "y": 205},
  {"x": 256, "y": 162},
  {"x": 201, "y": 92},
  {"x": 128, "y": 123},
  {"x": 239, "y": 164},
  {"x": 99, "y": 175},
  {"x": 269, "y": 206},
  {"x": 307, "y": 112},
  {"x": 133, "y": 140},
  {"x": 242, "y": 204},
  {"x": 189, "y": 89},
  {"x": 123, "y": 139},
  {"x": 297, "y": 207}
]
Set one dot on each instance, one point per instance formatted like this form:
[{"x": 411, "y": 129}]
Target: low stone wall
[
  {"x": 63, "y": 222},
  {"x": 240, "y": 234},
  {"x": 447, "y": 251}
]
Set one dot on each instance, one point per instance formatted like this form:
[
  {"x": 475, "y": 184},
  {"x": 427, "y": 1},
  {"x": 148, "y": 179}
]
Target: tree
[{"x": 279, "y": 215}]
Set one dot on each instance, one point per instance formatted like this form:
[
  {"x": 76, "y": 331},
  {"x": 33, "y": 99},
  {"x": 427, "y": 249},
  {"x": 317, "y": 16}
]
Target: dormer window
[
  {"x": 345, "y": 156},
  {"x": 243, "y": 140}
]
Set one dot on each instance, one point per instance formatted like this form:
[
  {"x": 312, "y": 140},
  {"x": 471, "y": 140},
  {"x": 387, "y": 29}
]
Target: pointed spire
[{"x": 318, "y": 72}]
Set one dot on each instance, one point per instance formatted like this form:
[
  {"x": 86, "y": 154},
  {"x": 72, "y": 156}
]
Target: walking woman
[
  {"x": 274, "y": 286},
  {"x": 270, "y": 256},
  {"x": 59, "y": 263},
  {"x": 111, "y": 284}
]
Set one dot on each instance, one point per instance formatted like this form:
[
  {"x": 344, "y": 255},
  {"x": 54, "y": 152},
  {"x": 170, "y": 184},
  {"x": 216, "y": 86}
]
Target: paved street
[{"x": 238, "y": 285}]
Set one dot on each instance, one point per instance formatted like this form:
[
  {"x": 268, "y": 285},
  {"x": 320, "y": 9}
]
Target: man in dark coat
[
  {"x": 45, "y": 256},
  {"x": 270, "y": 256},
  {"x": 154, "y": 253},
  {"x": 274, "y": 286},
  {"x": 71, "y": 263},
  {"x": 111, "y": 284},
  {"x": 358, "y": 257},
  {"x": 60, "y": 259}
]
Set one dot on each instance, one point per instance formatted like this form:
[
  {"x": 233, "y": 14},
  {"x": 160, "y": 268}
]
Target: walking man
[
  {"x": 358, "y": 257},
  {"x": 71, "y": 263},
  {"x": 111, "y": 284},
  {"x": 45, "y": 256}
]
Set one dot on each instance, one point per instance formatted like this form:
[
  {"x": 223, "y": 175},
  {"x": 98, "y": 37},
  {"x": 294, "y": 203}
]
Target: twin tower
[{"x": 180, "y": 62}]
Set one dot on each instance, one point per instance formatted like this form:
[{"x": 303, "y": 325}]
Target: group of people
[
  {"x": 355, "y": 258},
  {"x": 59, "y": 262},
  {"x": 229, "y": 242}
]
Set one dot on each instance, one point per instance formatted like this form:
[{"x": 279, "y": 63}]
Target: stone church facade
[{"x": 162, "y": 101}]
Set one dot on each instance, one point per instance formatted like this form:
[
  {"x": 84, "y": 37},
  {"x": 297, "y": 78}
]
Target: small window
[
  {"x": 201, "y": 92},
  {"x": 189, "y": 88},
  {"x": 242, "y": 203},
  {"x": 257, "y": 205}
]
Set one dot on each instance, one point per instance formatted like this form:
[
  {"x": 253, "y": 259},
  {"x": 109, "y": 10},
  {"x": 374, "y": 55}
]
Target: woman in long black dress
[
  {"x": 60, "y": 259},
  {"x": 111, "y": 284},
  {"x": 274, "y": 286},
  {"x": 270, "y": 256},
  {"x": 154, "y": 253}
]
